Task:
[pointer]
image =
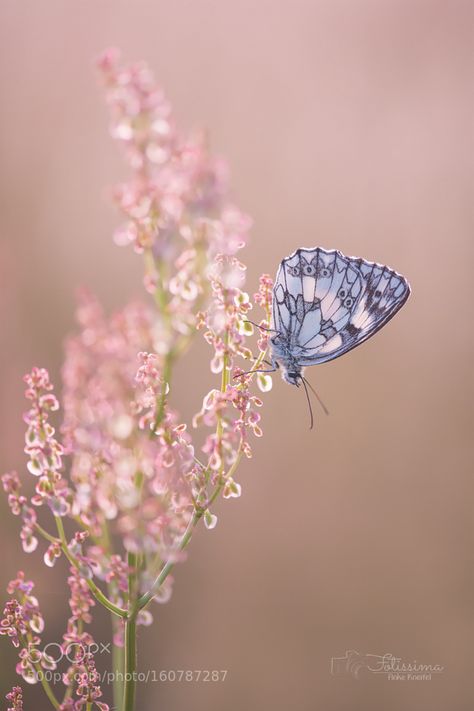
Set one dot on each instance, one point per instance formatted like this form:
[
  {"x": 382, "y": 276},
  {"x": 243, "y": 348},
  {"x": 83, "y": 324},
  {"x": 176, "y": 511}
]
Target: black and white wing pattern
[{"x": 325, "y": 304}]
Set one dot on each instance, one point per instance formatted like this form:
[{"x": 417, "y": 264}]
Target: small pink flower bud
[
  {"x": 210, "y": 520},
  {"x": 232, "y": 489},
  {"x": 264, "y": 382}
]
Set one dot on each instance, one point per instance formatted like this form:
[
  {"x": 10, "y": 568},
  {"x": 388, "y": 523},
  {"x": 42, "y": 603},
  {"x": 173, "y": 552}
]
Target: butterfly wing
[{"x": 325, "y": 304}]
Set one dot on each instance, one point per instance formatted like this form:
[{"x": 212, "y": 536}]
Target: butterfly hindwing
[{"x": 325, "y": 304}]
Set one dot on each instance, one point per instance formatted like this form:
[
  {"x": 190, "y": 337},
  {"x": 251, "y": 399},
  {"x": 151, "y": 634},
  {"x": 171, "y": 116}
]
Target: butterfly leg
[
  {"x": 258, "y": 370},
  {"x": 262, "y": 328},
  {"x": 267, "y": 362}
]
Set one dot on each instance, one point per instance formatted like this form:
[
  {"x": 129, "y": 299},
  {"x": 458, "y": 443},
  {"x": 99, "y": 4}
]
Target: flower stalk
[
  {"x": 122, "y": 471},
  {"x": 130, "y": 657},
  {"x": 98, "y": 594}
]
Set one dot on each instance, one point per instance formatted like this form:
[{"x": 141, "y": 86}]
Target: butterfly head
[{"x": 291, "y": 375}]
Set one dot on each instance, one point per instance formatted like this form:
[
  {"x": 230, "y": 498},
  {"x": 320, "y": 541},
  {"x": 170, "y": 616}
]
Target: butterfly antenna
[
  {"x": 326, "y": 411},
  {"x": 303, "y": 380}
]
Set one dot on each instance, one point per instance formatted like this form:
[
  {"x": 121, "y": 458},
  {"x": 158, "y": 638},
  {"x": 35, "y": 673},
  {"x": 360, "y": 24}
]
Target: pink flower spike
[
  {"x": 15, "y": 697},
  {"x": 44, "y": 451},
  {"x": 136, "y": 484}
]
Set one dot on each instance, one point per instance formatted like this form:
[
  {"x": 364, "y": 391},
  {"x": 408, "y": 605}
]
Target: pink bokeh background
[{"x": 346, "y": 124}]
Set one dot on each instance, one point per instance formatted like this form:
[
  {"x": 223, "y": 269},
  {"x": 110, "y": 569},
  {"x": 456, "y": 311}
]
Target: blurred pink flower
[
  {"x": 15, "y": 697},
  {"x": 88, "y": 689},
  {"x": 176, "y": 203},
  {"x": 136, "y": 485},
  {"x": 44, "y": 451},
  {"x": 23, "y": 623}
]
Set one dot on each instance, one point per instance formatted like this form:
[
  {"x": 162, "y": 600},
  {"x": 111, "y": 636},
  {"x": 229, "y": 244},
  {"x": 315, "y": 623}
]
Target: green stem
[
  {"x": 118, "y": 660},
  {"x": 47, "y": 689},
  {"x": 96, "y": 591},
  {"x": 222, "y": 480},
  {"x": 117, "y": 654},
  {"x": 130, "y": 664},
  {"x": 167, "y": 568},
  {"x": 130, "y": 667},
  {"x": 45, "y": 534},
  {"x": 222, "y": 477},
  {"x": 160, "y": 409}
]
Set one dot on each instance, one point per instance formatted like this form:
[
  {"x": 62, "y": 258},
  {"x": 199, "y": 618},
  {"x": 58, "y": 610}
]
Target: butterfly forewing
[{"x": 325, "y": 304}]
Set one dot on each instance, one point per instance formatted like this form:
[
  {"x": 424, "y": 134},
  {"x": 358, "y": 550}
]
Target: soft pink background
[{"x": 348, "y": 124}]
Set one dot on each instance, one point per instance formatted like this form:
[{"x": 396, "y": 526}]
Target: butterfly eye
[
  {"x": 378, "y": 294},
  {"x": 342, "y": 293},
  {"x": 294, "y": 271},
  {"x": 348, "y": 302},
  {"x": 309, "y": 270},
  {"x": 325, "y": 272}
]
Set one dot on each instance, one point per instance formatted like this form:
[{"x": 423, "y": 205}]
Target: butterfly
[{"x": 325, "y": 304}]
